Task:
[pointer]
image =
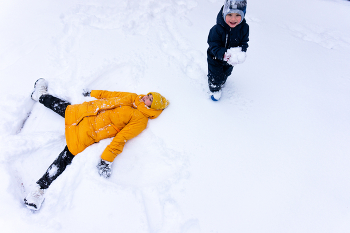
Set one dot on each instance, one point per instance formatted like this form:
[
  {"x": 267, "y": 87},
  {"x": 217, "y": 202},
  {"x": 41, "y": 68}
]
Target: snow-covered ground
[{"x": 273, "y": 155}]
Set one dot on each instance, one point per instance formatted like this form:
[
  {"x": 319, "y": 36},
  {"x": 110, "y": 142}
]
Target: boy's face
[
  {"x": 233, "y": 19},
  {"x": 147, "y": 99}
]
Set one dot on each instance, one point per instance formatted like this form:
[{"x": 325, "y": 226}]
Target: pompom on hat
[
  {"x": 235, "y": 6},
  {"x": 159, "y": 102}
]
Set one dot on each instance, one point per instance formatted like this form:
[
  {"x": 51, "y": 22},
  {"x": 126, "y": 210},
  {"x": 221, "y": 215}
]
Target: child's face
[
  {"x": 147, "y": 99},
  {"x": 233, "y": 19}
]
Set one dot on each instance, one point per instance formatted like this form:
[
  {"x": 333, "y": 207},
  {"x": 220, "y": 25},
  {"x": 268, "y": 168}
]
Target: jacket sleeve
[
  {"x": 245, "y": 38},
  {"x": 216, "y": 41},
  {"x": 131, "y": 130},
  {"x": 98, "y": 94}
]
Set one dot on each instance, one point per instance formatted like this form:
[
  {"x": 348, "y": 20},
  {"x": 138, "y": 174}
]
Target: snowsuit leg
[
  {"x": 55, "y": 104},
  {"x": 56, "y": 168},
  {"x": 65, "y": 157},
  {"x": 218, "y": 72}
]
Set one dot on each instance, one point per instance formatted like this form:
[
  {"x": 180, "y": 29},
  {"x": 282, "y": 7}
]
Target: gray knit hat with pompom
[{"x": 235, "y": 6}]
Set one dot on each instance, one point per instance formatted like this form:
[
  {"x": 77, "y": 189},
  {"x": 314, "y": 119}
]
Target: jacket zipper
[{"x": 227, "y": 38}]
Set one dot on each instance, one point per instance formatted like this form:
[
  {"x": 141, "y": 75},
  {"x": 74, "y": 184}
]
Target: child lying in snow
[{"x": 121, "y": 115}]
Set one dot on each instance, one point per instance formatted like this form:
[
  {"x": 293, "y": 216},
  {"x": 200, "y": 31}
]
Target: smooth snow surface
[{"x": 272, "y": 156}]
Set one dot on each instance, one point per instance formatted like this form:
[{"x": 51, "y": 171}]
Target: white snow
[
  {"x": 273, "y": 155},
  {"x": 235, "y": 56},
  {"x": 52, "y": 170}
]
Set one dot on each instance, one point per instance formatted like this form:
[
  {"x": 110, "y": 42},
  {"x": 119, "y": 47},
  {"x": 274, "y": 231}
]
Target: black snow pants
[
  {"x": 65, "y": 157},
  {"x": 218, "y": 72}
]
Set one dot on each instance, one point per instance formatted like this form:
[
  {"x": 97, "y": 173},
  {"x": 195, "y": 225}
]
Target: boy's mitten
[
  {"x": 236, "y": 56},
  {"x": 104, "y": 168}
]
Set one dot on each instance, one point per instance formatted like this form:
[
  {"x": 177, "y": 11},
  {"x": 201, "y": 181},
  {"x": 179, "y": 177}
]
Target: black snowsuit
[{"x": 221, "y": 37}]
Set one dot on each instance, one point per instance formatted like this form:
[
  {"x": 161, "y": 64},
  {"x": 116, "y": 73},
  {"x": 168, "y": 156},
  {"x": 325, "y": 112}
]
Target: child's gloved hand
[
  {"x": 86, "y": 92},
  {"x": 237, "y": 56},
  {"x": 104, "y": 168}
]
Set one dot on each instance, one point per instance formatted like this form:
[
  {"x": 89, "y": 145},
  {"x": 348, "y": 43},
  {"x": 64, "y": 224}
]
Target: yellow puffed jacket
[{"x": 114, "y": 114}]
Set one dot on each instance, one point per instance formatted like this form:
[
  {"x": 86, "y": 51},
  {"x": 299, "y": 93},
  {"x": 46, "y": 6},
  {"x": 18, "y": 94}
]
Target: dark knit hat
[{"x": 235, "y": 6}]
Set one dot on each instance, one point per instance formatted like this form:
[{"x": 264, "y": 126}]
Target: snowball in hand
[{"x": 237, "y": 56}]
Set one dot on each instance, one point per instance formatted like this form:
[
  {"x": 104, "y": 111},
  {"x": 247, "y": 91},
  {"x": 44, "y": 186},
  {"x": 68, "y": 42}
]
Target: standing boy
[{"x": 228, "y": 43}]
